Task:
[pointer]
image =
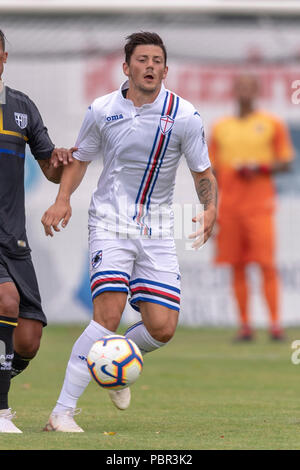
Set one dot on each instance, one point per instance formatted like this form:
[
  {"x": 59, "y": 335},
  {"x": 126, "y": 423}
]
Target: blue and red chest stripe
[{"x": 159, "y": 148}]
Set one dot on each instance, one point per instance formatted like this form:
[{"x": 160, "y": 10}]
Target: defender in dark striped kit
[{"x": 21, "y": 314}]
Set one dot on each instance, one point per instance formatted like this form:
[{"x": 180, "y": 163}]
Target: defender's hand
[
  {"x": 62, "y": 156},
  {"x": 59, "y": 211}
]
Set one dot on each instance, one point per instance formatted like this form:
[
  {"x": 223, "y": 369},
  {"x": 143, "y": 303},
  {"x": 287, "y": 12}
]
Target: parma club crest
[
  {"x": 97, "y": 259},
  {"x": 21, "y": 120},
  {"x": 166, "y": 124}
]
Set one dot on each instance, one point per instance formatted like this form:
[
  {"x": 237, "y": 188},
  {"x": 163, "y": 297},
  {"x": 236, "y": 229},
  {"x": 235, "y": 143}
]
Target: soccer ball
[{"x": 115, "y": 362}]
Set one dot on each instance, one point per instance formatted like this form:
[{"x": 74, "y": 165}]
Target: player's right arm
[
  {"x": 88, "y": 146},
  {"x": 61, "y": 210}
]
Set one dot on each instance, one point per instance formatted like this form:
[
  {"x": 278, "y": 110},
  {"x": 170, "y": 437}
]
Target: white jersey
[{"x": 141, "y": 149}]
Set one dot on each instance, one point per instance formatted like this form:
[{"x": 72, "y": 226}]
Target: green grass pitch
[{"x": 200, "y": 392}]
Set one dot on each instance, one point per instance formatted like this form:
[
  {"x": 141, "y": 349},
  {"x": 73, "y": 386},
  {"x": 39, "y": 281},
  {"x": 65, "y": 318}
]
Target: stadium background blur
[{"x": 65, "y": 54}]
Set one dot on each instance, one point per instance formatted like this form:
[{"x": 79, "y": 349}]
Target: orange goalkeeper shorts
[{"x": 244, "y": 239}]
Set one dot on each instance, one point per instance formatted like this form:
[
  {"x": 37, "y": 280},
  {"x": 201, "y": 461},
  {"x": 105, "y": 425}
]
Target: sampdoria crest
[
  {"x": 97, "y": 259},
  {"x": 166, "y": 124}
]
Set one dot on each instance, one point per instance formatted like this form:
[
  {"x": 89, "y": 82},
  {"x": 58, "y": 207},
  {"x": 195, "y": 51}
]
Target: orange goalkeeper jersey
[{"x": 257, "y": 139}]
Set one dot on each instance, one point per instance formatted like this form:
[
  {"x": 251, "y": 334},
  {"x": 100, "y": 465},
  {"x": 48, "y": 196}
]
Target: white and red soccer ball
[{"x": 115, "y": 362}]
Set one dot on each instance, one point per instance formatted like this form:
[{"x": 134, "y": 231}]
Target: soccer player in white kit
[{"x": 141, "y": 130}]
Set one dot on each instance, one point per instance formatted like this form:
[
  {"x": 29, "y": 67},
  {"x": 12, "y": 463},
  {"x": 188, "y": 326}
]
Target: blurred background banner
[{"x": 65, "y": 54}]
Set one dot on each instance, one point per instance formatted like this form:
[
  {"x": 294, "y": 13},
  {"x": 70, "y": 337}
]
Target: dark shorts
[{"x": 21, "y": 272}]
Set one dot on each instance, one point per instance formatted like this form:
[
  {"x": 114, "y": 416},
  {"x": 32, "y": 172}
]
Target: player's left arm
[
  {"x": 195, "y": 150},
  {"x": 207, "y": 191}
]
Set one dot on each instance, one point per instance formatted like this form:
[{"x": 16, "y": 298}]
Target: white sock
[
  {"x": 140, "y": 335},
  {"x": 77, "y": 375}
]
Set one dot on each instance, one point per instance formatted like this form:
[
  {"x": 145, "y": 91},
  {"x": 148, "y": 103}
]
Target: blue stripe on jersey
[
  {"x": 100, "y": 273},
  {"x": 12, "y": 152},
  {"x": 146, "y": 171},
  {"x": 151, "y": 154},
  {"x": 159, "y": 162},
  {"x": 150, "y": 157},
  {"x": 176, "y": 108},
  {"x": 165, "y": 103},
  {"x": 162, "y": 157},
  {"x": 156, "y": 176},
  {"x": 154, "y": 283}
]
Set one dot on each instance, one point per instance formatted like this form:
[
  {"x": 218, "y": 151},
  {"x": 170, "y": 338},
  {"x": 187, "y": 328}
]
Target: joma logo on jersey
[{"x": 115, "y": 117}]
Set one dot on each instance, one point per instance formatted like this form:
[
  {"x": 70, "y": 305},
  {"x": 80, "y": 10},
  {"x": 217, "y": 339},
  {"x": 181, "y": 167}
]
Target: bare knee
[
  {"x": 162, "y": 325},
  {"x": 108, "y": 309},
  {"x": 9, "y": 304},
  {"x": 163, "y": 334},
  {"x": 109, "y": 320},
  {"x": 160, "y": 322},
  {"x": 27, "y": 337},
  {"x": 28, "y": 349}
]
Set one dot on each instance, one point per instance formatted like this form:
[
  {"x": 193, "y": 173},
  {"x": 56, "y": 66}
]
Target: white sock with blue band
[
  {"x": 140, "y": 335},
  {"x": 77, "y": 375}
]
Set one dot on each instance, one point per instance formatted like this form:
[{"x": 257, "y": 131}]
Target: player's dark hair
[
  {"x": 2, "y": 39},
  {"x": 143, "y": 38}
]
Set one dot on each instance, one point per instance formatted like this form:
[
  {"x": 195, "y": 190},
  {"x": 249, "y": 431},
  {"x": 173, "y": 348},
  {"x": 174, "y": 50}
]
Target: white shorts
[{"x": 146, "y": 269}]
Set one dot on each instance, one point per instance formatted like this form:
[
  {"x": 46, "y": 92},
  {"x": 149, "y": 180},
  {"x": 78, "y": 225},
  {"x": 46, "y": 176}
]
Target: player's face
[
  {"x": 146, "y": 69},
  {"x": 3, "y": 58},
  {"x": 245, "y": 89}
]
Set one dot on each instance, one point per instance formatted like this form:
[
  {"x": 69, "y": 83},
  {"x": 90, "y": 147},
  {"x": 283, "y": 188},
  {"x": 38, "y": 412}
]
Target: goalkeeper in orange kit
[{"x": 246, "y": 150}]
